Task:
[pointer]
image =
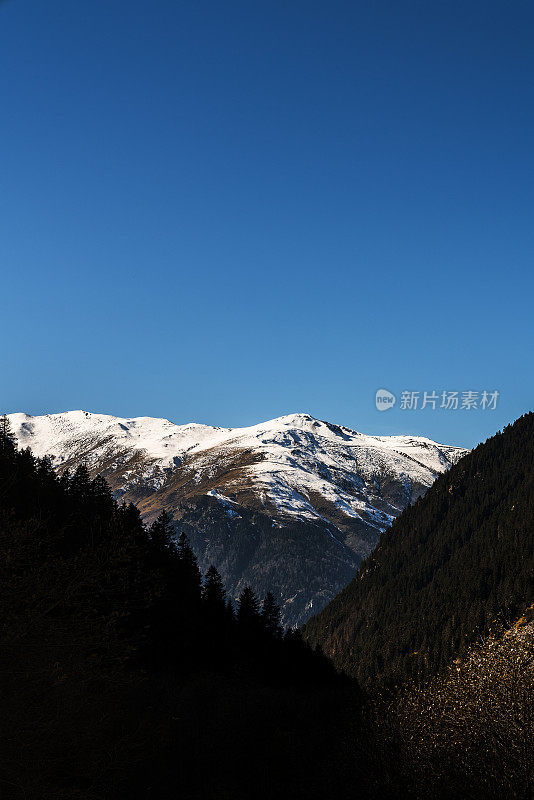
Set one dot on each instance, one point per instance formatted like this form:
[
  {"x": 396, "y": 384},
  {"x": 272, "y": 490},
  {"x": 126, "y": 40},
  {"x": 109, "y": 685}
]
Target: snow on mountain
[
  {"x": 296, "y": 457},
  {"x": 310, "y": 494}
]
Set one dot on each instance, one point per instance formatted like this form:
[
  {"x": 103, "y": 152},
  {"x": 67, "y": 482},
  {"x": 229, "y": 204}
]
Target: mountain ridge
[
  {"x": 316, "y": 491},
  {"x": 453, "y": 564}
]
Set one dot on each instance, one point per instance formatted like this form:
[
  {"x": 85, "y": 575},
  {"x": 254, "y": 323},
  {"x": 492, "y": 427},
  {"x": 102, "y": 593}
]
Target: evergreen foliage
[
  {"x": 270, "y": 614},
  {"x": 7, "y": 437},
  {"x": 162, "y": 533},
  {"x": 450, "y": 567},
  {"x": 248, "y": 609},
  {"x": 213, "y": 592},
  {"x": 122, "y": 676}
]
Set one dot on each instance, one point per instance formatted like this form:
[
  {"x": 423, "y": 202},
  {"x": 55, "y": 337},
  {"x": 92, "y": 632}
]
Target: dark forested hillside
[
  {"x": 291, "y": 505},
  {"x": 124, "y": 674},
  {"x": 450, "y": 567}
]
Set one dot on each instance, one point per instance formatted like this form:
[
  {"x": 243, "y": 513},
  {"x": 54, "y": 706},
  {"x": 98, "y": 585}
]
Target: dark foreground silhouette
[{"x": 124, "y": 674}]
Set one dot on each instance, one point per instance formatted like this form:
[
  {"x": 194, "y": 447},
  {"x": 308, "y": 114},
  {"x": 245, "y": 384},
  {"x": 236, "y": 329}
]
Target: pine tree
[
  {"x": 270, "y": 615},
  {"x": 64, "y": 480},
  {"x": 190, "y": 579},
  {"x": 229, "y": 608},
  {"x": 213, "y": 592},
  {"x": 102, "y": 496},
  {"x": 248, "y": 609},
  {"x": 162, "y": 532},
  {"x": 80, "y": 484},
  {"x": 7, "y": 437}
]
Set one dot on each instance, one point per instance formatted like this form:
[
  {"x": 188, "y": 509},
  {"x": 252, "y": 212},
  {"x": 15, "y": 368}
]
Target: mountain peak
[
  {"x": 319, "y": 491},
  {"x": 289, "y": 459},
  {"x": 297, "y": 418}
]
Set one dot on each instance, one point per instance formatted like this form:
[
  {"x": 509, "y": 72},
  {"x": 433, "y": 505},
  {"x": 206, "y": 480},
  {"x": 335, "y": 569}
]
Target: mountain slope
[
  {"x": 292, "y": 504},
  {"x": 120, "y": 679},
  {"x": 449, "y": 565}
]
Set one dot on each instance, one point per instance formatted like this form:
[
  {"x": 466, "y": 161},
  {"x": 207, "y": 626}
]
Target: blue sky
[{"x": 225, "y": 212}]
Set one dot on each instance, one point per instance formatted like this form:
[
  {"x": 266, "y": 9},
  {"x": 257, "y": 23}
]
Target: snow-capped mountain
[{"x": 292, "y": 504}]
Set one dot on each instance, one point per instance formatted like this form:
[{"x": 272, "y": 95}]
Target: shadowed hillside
[
  {"x": 125, "y": 675},
  {"x": 452, "y": 564}
]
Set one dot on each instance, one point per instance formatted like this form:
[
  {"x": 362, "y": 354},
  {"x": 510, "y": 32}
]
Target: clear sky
[{"x": 229, "y": 211}]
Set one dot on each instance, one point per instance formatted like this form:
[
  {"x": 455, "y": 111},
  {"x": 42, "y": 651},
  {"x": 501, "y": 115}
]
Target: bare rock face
[{"x": 291, "y": 505}]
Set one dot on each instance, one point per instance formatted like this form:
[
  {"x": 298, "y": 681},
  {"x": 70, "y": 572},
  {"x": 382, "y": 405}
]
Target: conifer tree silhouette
[
  {"x": 188, "y": 571},
  {"x": 162, "y": 532},
  {"x": 213, "y": 592},
  {"x": 248, "y": 609},
  {"x": 270, "y": 615},
  {"x": 80, "y": 484},
  {"x": 7, "y": 437}
]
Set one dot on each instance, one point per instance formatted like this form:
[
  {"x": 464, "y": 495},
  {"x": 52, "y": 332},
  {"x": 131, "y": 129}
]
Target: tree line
[
  {"x": 453, "y": 566},
  {"x": 125, "y": 672}
]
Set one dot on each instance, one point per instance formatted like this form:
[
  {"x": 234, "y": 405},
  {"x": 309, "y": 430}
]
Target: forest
[
  {"x": 456, "y": 565},
  {"x": 128, "y": 674}
]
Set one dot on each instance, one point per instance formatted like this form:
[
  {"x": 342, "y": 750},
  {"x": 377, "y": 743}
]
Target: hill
[
  {"x": 291, "y": 505},
  {"x": 124, "y": 674},
  {"x": 450, "y": 566}
]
